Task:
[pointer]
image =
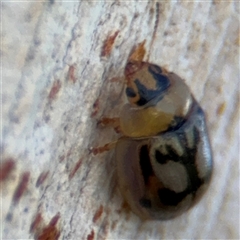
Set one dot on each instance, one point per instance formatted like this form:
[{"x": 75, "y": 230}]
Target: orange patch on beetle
[
  {"x": 54, "y": 90},
  {"x": 108, "y": 44},
  {"x": 6, "y": 168},
  {"x": 22, "y": 187},
  {"x": 138, "y": 52},
  {"x": 98, "y": 214}
]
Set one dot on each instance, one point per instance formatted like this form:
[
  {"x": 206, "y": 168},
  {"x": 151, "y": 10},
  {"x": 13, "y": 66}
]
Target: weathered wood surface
[{"x": 57, "y": 59}]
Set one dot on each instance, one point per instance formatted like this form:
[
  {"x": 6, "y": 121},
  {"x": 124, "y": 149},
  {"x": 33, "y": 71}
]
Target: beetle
[{"x": 164, "y": 158}]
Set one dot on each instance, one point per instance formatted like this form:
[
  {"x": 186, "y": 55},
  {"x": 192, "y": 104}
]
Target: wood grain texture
[{"x": 61, "y": 62}]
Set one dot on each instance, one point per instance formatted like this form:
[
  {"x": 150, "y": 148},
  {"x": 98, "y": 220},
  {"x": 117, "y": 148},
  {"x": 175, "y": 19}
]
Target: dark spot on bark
[
  {"x": 9, "y": 217},
  {"x": 145, "y": 163},
  {"x": 6, "y": 168},
  {"x": 22, "y": 187},
  {"x": 42, "y": 177}
]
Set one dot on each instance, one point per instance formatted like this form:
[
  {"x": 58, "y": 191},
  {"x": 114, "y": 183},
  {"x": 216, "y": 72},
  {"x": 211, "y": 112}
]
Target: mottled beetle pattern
[{"x": 164, "y": 159}]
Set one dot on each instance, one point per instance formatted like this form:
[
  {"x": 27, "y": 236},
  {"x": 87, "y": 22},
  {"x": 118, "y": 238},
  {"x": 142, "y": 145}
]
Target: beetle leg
[
  {"x": 105, "y": 148},
  {"x": 110, "y": 122}
]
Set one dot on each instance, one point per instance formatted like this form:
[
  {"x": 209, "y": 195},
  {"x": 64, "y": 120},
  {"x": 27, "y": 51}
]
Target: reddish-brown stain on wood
[
  {"x": 115, "y": 80},
  {"x": 6, "y": 168},
  {"x": 65, "y": 156},
  {"x": 61, "y": 158},
  {"x": 98, "y": 214},
  {"x": 105, "y": 226},
  {"x": 50, "y": 232},
  {"x": 22, "y": 186},
  {"x": 77, "y": 166},
  {"x": 108, "y": 44},
  {"x": 71, "y": 74},
  {"x": 125, "y": 209},
  {"x": 91, "y": 235},
  {"x": 113, "y": 225},
  {"x": 138, "y": 52},
  {"x": 42, "y": 178},
  {"x": 96, "y": 107},
  {"x": 36, "y": 222},
  {"x": 69, "y": 152},
  {"x": 54, "y": 90}
]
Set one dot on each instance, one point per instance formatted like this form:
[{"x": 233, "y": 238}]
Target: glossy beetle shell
[{"x": 164, "y": 159}]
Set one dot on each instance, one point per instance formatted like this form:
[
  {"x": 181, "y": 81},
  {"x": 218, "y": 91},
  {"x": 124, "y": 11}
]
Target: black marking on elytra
[
  {"x": 169, "y": 197},
  {"x": 142, "y": 101},
  {"x": 130, "y": 92},
  {"x": 146, "y": 203},
  {"x": 162, "y": 159},
  {"x": 171, "y": 155},
  {"x": 189, "y": 162},
  {"x": 146, "y": 95},
  {"x": 162, "y": 81},
  {"x": 145, "y": 163},
  {"x": 187, "y": 159}
]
